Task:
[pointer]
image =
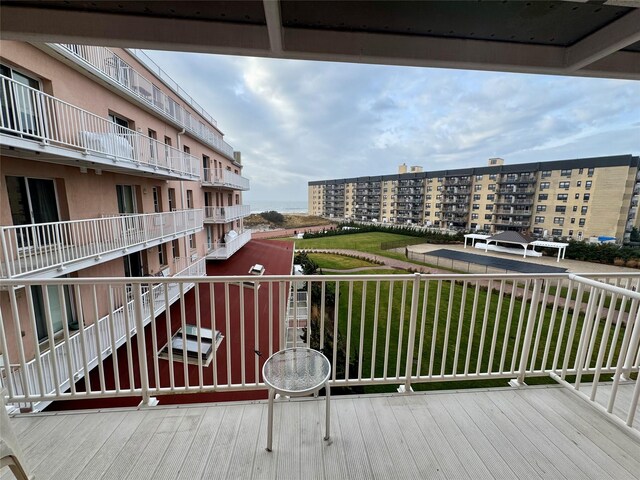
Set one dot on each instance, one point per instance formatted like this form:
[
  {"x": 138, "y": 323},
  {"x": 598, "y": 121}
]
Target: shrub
[
  {"x": 273, "y": 216},
  {"x": 619, "y": 262},
  {"x": 632, "y": 263}
]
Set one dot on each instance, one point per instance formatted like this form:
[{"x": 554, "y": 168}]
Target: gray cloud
[{"x": 296, "y": 121}]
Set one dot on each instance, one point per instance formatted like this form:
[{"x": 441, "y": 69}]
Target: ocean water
[{"x": 282, "y": 206}]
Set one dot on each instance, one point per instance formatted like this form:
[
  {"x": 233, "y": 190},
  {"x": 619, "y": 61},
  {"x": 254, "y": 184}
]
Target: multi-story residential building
[
  {"x": 576, "y": 198},
  {"x": 108, "y": 169}
]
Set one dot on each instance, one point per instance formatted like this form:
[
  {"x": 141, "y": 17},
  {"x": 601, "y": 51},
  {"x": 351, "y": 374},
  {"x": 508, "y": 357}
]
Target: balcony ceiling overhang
[{"x": 580, "y": 38}]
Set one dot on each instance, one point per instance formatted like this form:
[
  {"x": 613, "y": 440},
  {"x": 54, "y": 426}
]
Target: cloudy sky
[{"x": 297, "y": 121}]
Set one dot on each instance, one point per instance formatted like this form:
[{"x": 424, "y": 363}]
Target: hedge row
[{"x": 428, "y": 237}]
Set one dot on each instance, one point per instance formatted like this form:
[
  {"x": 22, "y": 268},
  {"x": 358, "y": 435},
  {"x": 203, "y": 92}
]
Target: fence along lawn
[{"x": 461, "y": 328}]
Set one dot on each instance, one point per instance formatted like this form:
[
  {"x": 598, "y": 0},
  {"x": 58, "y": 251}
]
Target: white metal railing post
[
  {"x": 413, "y": 315},
  {"x": 147, "y": 401},
  {"x": 528, "y": 336},
  {"x": 632, "y": 351}
]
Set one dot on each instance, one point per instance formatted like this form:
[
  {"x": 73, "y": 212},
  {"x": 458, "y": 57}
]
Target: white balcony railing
[
  {"x": 226, "y": 214},
  {"x": 31, "y": 114},
  {"x": 222, "y": 250},
  {"x": 84, "y": 349},
  {"x": 375, "y": 330},
  {"x": 218, "y": 177},
  {"x": 41, "y": 248},
  {"x": 108, "y": 63}
]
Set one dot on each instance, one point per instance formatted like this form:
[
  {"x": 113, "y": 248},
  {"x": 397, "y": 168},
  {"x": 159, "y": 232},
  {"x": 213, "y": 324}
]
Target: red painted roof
[{"x": 277, "y": 259}]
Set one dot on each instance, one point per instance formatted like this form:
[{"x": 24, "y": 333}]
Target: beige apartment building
[
  {"x": 577, "y": 198},
  {"x": 107, "y": 169}
]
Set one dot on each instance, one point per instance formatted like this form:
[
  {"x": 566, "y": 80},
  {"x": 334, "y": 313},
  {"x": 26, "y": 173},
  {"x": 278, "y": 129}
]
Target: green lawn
[
  {"x": 465, "y": 334},
  {"x": 339, "y": 262},
  {"x": 363, "y": 242}
]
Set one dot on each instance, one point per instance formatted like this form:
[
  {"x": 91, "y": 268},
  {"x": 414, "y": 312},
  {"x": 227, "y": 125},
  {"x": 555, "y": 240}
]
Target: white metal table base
[{"x": 272, "y": 394}]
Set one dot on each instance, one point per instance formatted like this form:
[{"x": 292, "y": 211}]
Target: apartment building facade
[
  {"x": 107, "y": 169},
  {"x": 577, "y": 198}
]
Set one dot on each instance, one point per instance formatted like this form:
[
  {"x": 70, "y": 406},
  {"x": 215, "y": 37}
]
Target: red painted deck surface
[{"x": 277, "y": 259}]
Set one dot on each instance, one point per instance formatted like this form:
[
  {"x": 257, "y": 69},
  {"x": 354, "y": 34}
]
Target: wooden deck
[{"x": 536, "y": 432}]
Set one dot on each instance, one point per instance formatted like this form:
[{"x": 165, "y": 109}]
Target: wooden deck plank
[
  {"x": 351, "y": 441},
  {"x": 156, "y": 445},
  {"x": 539, "y": 457},
  {"x": 451, "y": 465},
  {"x": 535, "y": 432},
  {"x": 244, "y": 452},
  {"x": 568, "y": 419},
  {"x": 196, "y": 457},
  {"x": 169, "y": 466},
  {"x": 133, "y": 448},
  {"x": 221, "y": 450},
  {"x": 622, "y": 404},
  {"x": 69, "y": 460},
  {"x": 391, "y": 431},
  {"x": 411, "y": 447},
  {"x": 571, "y": 445}
]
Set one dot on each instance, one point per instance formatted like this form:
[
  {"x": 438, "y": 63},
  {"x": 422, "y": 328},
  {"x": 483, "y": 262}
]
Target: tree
[{"x": 273, "y": 216}]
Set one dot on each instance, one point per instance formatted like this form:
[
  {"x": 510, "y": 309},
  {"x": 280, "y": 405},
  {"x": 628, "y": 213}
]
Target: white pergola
[{"x": 474, "y": 237}]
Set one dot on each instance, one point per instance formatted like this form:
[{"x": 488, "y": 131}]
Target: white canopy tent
[{"x": 491, "y": 243}]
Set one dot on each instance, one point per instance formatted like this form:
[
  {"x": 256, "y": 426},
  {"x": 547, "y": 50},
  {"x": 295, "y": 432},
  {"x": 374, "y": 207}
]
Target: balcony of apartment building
[
  {"x": 57, "y": 248},
  {"x": 457, "y": 181},
  {"x": 515, "y": 189},
  {"x": 513, "y": 210},
  {"x": 83, "y": 344},
  {"x": 36, "y": 125},
  {"x": 228, "y": 245},
  {"x": 518, "y": 222},
  {"x": 223, "y": 178},
  {"x": 576, "y": 336},
  {"x": 457, "y": 190},
  {"x": 513, "y": 200},
  {"x": 226, "y": 214},
  {"x": 517, "y": 179},
  {"x": 112, "y": 69}
]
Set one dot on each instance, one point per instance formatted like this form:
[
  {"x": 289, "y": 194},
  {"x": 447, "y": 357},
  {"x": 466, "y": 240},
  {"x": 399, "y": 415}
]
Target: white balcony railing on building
[
  {"x": 375, "y": 330},
  {"x": 36, "y": 248},
  {"x": 34, "y": 115},
  {"x": 226, "y": 214},
  {"x": 82, "y": 350},
  {"x": 223, "y": 249},
  {"x": 118, "y": 70},
  {"x": 219, "y": 177}
]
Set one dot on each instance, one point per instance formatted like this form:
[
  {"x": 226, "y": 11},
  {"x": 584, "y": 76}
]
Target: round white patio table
[{"x": 296, "y": 372}]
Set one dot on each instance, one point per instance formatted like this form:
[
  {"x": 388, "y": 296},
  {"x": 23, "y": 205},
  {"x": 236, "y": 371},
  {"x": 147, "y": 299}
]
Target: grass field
[
  {"x": 339, "y": 262},
  {"x": 466, "y": 345}
]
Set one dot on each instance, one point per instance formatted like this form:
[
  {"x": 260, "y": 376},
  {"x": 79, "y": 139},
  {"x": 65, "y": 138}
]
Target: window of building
[
  {"x": 492, "y": 187},
  {"x": 427, "y": 197},
  {"x": 577, "y": 196},
  {"x": 565, "y": 173},
  {"x": 581, "y": 222},
  {"x": 189, "y": 198},
  {"x": 558, "y": 220},
  {"x": 476, "y": 197},
  {"x": 489, "y": 207},
  {"x": 586, "y": 197},
  {"x": 474, "y": 216},
  {"x": 476, "y": 206},
  {"x": 162, "y": 258},
  {"x": 546, "y": 173},
  {"x": 556, "y": 232},
  {"x": 493, "y": 176},
  {"x": 491, "y": 197},
  {"x": 175, "y": 249},
  {"x": 120, "y": 121},
  {"x": 152, "y": 143},
  {"x": 156, "y": 199},
  {"x": 543, "y": 196},
  {"x": 541, "y": 208},
  {"x": 438, "y": 205},
  {"x": 192, "y": 241},
  {"x": 590, "y": 172},
  {"x": 172, "y": 199},
  {"x": 439, "y": 188},
  {"x": 544, "y": 185},
  {"x": 186, "y": 149},
  {"x": 477, "y": 188},
  {"x": 488, "y": 216},
  {"x": 562, "y": 197},
  {"x": 564, "y": 185},
  {"x": 427, "y": 205},
  {"x": 583, "y": 210},
  {"x": 538, "y": 231},
  {"x": 478, "y": 178},
  {"x": 578, "y": 183},
  {"x": 587, "y": 185},
  {"x": 539, "y": 220},
  {"x": 581, "y": 171},
  {"x": 573, "y": 220},
  {"x": 561, "y": 209}
]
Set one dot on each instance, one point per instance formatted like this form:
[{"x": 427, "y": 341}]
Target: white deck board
[{"x": 534, "y": 432}]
